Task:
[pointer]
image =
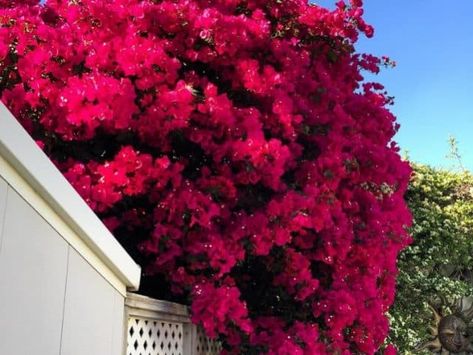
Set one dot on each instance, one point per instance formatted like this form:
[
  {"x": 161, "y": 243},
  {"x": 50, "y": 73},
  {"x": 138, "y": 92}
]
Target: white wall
[
  {"x": 52, "y": 301},
  {"x": 30, "y": 172},
  {"x": 63, "y": 276}
]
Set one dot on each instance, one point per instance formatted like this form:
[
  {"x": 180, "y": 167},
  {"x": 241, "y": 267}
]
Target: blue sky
[{"x": 431, "y": 41}]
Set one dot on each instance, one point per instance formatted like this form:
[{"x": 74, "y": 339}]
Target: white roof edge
[{"x": 21, "y": 151}]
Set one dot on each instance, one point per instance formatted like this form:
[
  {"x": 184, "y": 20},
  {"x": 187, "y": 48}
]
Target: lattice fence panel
[
  {"x": 154, "y": 337},
  {"x": 206, "y": 346}
]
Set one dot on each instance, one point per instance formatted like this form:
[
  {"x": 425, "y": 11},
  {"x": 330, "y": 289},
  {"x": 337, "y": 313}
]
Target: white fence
[{"x": 163, "y": 328}]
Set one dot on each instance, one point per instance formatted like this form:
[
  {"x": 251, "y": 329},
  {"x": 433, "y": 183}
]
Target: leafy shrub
[
  {"x": 233, "y": 149},
  {"x": 439, "y": 262}
]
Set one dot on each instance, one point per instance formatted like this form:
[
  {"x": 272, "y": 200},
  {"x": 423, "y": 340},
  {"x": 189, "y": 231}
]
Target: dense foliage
[
  {"x": 439, "y": 262},
  {"x": 233, "y": 148}
]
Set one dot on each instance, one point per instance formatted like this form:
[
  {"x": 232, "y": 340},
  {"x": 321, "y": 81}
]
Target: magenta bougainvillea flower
[{"x": 233, "y": 148}]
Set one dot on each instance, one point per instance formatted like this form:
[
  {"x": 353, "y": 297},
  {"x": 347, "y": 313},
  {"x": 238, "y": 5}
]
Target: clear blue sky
[{"x": 432, "y": 43}]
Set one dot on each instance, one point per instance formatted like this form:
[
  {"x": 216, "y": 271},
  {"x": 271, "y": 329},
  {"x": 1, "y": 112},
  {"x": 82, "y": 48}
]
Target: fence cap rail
[
  {"x": 140, "y": 302},
  {"x": 22, "y": 153}
]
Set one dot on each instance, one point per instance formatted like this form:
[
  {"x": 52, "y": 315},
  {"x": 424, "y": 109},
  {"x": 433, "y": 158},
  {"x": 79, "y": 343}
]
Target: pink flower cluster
[{"x": 233, "y": 148}]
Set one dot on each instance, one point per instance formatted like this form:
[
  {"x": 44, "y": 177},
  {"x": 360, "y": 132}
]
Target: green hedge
[{"x": 440, "y": 260}]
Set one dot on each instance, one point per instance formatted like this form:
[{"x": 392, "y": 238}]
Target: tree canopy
[
  {"x": 439, "y": 262},
  {"x": 235, "y": 150}
]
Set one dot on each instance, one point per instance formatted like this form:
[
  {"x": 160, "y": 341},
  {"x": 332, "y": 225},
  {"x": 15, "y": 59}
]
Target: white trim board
[{"x": 30, "y": 172}]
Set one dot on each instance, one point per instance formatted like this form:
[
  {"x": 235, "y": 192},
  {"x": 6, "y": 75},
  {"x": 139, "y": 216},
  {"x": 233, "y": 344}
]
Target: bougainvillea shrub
[{"x": 233, "y": 148}]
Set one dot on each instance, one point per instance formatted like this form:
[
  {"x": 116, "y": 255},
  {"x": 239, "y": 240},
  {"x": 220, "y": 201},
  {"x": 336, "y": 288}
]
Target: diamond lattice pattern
[
  {"x": 149, "y": 337},
  {"x": 206, "y": 346}
]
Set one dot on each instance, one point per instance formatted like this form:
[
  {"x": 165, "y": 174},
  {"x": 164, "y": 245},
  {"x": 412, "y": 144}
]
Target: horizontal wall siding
[{"x": 52, "y": 301}]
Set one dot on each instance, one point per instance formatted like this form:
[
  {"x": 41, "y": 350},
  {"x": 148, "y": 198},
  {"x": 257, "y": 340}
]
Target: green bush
[{"x": 439, "y": 261}]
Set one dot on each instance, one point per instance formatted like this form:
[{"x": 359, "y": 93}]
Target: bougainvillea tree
[{"x": 233, "y": 148}]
